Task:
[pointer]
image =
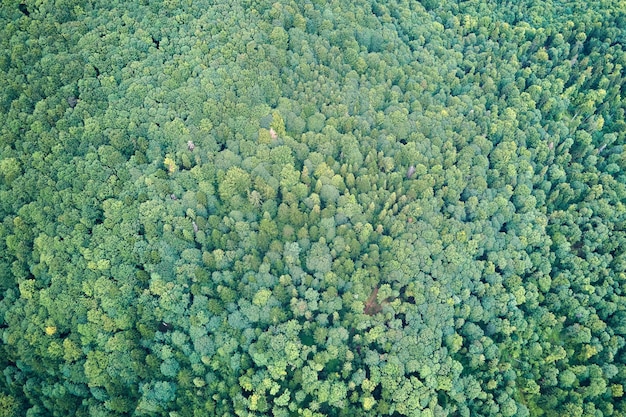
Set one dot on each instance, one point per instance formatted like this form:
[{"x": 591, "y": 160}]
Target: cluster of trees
[{"x": 312, "y": 208}]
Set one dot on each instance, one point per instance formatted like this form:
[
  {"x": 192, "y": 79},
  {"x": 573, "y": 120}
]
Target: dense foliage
[{"x": 306, "y": 208}]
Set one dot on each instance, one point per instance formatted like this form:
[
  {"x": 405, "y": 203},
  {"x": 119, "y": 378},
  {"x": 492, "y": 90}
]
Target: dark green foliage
[{"x": 312, "y": 208}]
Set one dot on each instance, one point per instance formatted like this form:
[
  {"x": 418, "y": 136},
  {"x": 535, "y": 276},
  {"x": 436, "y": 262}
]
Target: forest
[{"x": 312, "y": 208}]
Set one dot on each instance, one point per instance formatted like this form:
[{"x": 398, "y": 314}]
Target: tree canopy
[{"x": 343, "y": 208}]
